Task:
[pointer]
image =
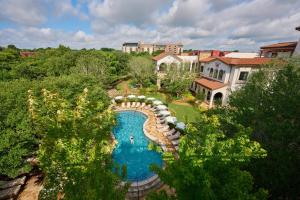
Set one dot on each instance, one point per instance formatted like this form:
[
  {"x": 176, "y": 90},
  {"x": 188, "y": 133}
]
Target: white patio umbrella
[
  {"x": 150, "y": 99},
  {"x": 119, "y": 97},
  {"x": 141, "y": 97},
  {"x": 157, "y": 103},
  {"x": 171, "y": 120},
  {"x": 180, "y": 125},
  {"x": 161, "y": 107},
  {"x": 132, "y": 96},
  {"x": 164, "y": 113}
]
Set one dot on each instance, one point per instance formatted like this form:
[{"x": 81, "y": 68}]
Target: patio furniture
[
  {"x": 175, "y": 136},
  {"x": 175, "y": 142},
  {"x": 143, "y": 105},
  {"x": 133, "y": 104}
]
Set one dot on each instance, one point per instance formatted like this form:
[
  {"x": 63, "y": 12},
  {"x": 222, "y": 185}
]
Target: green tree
[
  {"x": 269, "y": 104},
  {"x": 177, "y": 81},
  {"x": 211, "y": 165},
  {"x": 142, "y": 70},
  {"x": 17, "y": 139},
  {"x": 75, "y": 148}
]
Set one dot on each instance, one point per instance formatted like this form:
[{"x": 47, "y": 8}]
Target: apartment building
[
  {"x": 140, "y": 47},
  {"x": 220, "y": 76},
  {"x": 282, "y": 49}
]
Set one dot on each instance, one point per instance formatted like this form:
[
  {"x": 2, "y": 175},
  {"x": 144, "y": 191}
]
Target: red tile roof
[
  {"x": 210, "y": 84},
  {"x": 27, "y": 54},
  {"x": 164, "y": 54},
  {"x": 280, "y": 45},
  {"x": 238, "y": 61}
]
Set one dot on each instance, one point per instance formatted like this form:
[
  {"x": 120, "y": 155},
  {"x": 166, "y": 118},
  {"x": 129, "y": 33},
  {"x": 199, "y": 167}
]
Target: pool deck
[{"x": 150, "y": 129}]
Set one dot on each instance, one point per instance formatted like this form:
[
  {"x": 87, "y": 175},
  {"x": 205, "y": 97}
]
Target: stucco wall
[
  {"x": 221, "y": 66},
  {"x": 297, "y": 49}
]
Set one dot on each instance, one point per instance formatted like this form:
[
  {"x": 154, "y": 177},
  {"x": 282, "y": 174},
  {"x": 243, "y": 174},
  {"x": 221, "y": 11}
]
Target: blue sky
[{"x": 199, "y": 24}]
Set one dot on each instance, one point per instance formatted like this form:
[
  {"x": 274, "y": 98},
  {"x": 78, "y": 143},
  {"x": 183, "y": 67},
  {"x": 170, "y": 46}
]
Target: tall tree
[
  {"x": 75, "y": 148},
  {"x": 211, "y": 165},
  {"x": 142, "y": 70},
  {"x": 269, "y": 104},
  {"x": 177, "y": 80}
]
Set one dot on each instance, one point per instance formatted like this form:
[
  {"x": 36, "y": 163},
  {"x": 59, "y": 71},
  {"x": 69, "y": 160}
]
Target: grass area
[{"x": 184, "y": 113}]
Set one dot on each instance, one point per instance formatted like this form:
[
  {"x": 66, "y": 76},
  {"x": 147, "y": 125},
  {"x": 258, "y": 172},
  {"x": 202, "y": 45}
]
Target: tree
[
  {"x": 269, "y": 104},
  {"x": 17, "y": 139},
  {"x": 177, "y": 81},
  {"x": 211, "y": 165},
  {"x": 75, "y": 148},
  {"x": 142, "y": 70}
]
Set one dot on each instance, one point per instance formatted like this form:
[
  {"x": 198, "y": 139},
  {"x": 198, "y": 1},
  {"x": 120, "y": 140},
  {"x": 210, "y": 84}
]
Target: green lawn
[{"x": 184, "y": 112}]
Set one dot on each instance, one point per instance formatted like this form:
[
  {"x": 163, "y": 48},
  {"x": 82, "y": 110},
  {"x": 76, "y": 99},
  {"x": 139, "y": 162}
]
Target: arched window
[
  {"x": 201, "y": 68},
  {"x": 221, "y": 73},
  {"x": 216, "y": 73},
  {"x": 211, "y": 71}
]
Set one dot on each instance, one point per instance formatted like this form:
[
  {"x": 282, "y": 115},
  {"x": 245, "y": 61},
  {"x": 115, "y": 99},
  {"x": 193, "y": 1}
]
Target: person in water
[{"x": 131, "y": 139}]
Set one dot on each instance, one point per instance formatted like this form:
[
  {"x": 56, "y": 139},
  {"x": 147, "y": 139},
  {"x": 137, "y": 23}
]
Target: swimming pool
[{"x": 136, "y": 156}]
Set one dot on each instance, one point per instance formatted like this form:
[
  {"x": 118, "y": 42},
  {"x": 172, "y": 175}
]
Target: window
[
  {"x": 201, "y": 68},
  {"x": 220, "y": 76},
  {"x": 211, "y": 72},
  {"x": 216, "y": 73},
  {"x": 243, "y": 76}
]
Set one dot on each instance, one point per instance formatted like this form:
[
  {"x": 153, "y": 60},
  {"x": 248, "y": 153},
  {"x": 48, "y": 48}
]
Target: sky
[{"x": 243, "y": 25}]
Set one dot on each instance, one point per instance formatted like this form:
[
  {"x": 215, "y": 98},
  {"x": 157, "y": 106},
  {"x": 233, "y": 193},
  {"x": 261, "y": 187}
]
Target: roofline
[
  {"x": 290, "y": 45},
  {"x": 235, "y": 65},
  {"x": 224, "y": 85},
  {"x": 167, "y": 54}
]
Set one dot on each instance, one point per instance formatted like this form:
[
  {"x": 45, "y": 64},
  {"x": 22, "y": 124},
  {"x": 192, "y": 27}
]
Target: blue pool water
[{"x": 136, "y": 156}]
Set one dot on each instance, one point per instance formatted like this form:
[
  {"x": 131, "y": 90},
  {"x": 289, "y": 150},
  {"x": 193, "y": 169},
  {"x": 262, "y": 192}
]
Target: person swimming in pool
[{"x": 131, "y": 139}]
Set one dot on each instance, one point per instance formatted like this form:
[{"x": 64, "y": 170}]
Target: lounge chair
[
  {"x": 176, "y": 148},
  {"x": 160, "y": 121},
  {"x": 128, "y": 105},
  {"x": 133, "y": 104},
  {"x": 175, "y": 142},
  {"x": 171, "y": 132},
  {"x": 123, "y": 105},
  {"x": 147, "y": 107},
  {"x": 164, "y": 148},
  {"x": 175, "y": 136},
  {"x": 138, "y": 104},
  {"x": 143, "y": 105},
  {"x": 162, "y": 128}
]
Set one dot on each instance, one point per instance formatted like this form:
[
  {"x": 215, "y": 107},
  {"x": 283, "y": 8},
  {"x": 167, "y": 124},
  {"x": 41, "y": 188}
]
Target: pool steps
[{"x": 139, "y": 189}]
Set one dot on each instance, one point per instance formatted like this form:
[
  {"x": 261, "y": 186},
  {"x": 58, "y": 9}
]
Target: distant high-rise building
[{"x": 139, "y": 47}]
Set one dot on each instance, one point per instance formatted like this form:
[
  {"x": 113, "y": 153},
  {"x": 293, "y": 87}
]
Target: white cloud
[
  {"x": 22, "y": 12},
  {"x": 199, "y": 24}
]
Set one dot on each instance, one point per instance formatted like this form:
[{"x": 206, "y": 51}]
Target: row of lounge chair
[{"x": 173, "y": 135}]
